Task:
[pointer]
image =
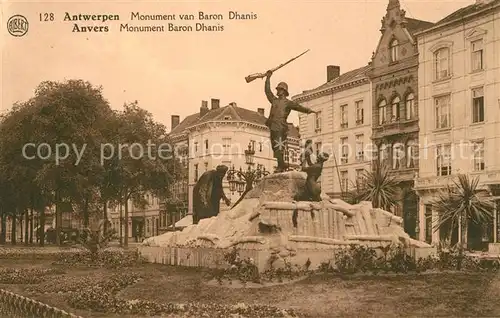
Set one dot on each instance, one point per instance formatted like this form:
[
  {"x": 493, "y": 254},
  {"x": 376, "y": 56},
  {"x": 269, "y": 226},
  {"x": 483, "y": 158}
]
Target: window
[
  {"x": 206, "y": 166},
  {"x": 442, "y": 106},
  {"x": 394, "y": 50},
  {"x": 226, "y": 144},
  {"x": 318, "y": 121},
  {"x": 477, "y": 105},
  {"x": 260, "y": 167},
  {"x": 260, "y": 147},
  {"x": 196, "y": 147},
  {"x": 359, "y": 176},
  {"x": 382, "y": 112},
  {"x": 344, "y": 181},
  {"x": 395, "y": 109},
  {"x": 384, "y": 153},
  {"x": 478, "y": 155},
  {"x": 428, "y": 223},
  {"x": 442, "y": 63},
  {"x": 252, "y": 145},
  {"x": 411, "y": 111},
  {"x": 477, "y": 55},
  {"x": 398, "y": 154},
  {"x": 411, "y": 154},
  {"x": 343, "y": 116},
  {"x": 360, "y": 155},
  {"x": 293, "y": 156},
  {"x": 344, "y": 150},
  {"x": 195, "y": 172},
  {"x": 443, "y": 154},
  {"x": 318, "y": 148},
  {"x": 206, "y": 144},
  {"x": 360, "y": 116}
]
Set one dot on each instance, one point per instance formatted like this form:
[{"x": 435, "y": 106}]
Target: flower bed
[
  {"x": 26, "y": 276},
  {"x": 102, "y": 297},
  {"x": 361, "y": 259},
  {"x": 106, "y": 258}
]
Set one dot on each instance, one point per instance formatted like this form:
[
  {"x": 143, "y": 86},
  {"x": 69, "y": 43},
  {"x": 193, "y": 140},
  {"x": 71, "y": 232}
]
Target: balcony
[
  {"x": 403, "y": 174},
  {"x": 394, "y": 127},
  {"x": 428, "y": 183}
]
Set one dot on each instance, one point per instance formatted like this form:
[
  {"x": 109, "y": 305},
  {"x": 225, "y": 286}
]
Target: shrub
[
  {"x": 354, "y": 259},
  {"x": 244, "y": 270}
]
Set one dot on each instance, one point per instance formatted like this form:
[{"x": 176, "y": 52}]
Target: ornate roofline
[
  {"x": 439, "y": 26},
  {"x": 310, "y": 95}
]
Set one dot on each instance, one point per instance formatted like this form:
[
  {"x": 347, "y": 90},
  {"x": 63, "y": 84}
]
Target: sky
[{"x": 170, "y": 73}]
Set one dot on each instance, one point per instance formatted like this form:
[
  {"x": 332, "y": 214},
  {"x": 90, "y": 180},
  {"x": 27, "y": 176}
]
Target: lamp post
[{"x": 242, "y": 181}]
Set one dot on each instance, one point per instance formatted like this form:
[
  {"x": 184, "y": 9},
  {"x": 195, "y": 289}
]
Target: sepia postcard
[{"x": 250, "y": 158}]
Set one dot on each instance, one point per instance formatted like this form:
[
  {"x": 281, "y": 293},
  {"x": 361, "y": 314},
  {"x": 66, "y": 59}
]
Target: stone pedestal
[{"x": 267, "y": 224}]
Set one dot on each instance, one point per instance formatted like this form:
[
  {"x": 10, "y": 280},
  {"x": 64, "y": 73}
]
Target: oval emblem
[{"x": 17, "y": 25}]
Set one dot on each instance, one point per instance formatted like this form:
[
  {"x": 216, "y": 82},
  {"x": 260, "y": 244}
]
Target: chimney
[
  {"x": 174, "y": 121},
  {"x": 332, "y": 72},
  {"x": 233, "y": 104},
  {"x": 261, "y": 111},
  {"x": 203, "y": 108},
  {"x": 215, "y": 103}
]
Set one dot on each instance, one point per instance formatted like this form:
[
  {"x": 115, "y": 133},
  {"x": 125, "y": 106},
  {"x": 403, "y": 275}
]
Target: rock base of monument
[{"x": 271, "y": 229}]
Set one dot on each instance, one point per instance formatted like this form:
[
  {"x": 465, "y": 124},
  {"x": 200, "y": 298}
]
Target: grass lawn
[{"x": 439, "y": 294}]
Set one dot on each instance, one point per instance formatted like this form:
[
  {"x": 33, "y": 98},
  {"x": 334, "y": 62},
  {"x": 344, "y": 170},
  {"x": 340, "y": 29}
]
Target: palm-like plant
[
  {"x": 377, "y": 186},
  {"x": 460, "y": 203}
]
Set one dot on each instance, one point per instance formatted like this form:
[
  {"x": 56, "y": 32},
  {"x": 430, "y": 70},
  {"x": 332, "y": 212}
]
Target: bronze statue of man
[
  {"x": 305, "y": 158},
  {"x": 207, "y": 194},
  {"x": 312, "y": 190},
  {"x": 277, "y": 121}
]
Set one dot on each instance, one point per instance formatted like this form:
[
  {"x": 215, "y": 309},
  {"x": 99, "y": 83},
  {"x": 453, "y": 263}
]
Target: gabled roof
[
  {"x": 465, "y": 11},
  {"x": 348, "y": 77},
  {"x": 219, "y": 114},
  {"x": 415, "y": 25}
]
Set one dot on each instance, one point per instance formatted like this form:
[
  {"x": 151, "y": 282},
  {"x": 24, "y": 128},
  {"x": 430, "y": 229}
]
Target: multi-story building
[
  {"x": 143, "y": 222},
  {"x": 342, "y": 126},
  {"x": 220, "y": 135},
  {"x": 394, "y": 73},
  {"x": 459, "y": 98}
]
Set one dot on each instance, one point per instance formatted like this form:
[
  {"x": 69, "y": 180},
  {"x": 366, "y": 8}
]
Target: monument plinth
[{"x": 268, "y": 223}]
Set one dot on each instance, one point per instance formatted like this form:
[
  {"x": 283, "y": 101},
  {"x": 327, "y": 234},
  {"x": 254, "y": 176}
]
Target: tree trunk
[
  {"x": 3, "y": 227},
  {"x": 13, "y": 230},
  {"x": 32, "y": 218},
  {"x": 41, "y": 227},
  {"x": 20, "y": 225},
  {"x": 125, "y": 241},
  {"x": 121, "y": 224},
  {"x": 105, "y": 216},
  {"x": 86, "y": 213},
  {"x": 26, "y": 227},
  {"x": 58, "y": 221},
  {"x": 466, "y": 230}
]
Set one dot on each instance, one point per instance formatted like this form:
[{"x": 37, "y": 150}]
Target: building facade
[
  {"x": 221, "y": 135},
  {"x": 342, "y": 127},
  {"x": 459, "y": 98},
  {"x": 395, "y": 121},
  {"x": 143, "y": 222}
]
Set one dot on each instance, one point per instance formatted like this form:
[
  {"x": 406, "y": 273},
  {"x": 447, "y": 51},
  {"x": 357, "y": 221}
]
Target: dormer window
[{"x": 393, "y": 48}]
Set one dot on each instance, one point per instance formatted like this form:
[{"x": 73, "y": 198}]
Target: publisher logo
[{"x": 17, "y": 25}]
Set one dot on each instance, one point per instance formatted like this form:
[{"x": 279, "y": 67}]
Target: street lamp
[
  {"x": 244, "y": 181},
  {"x": 249, "y": 154}
]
